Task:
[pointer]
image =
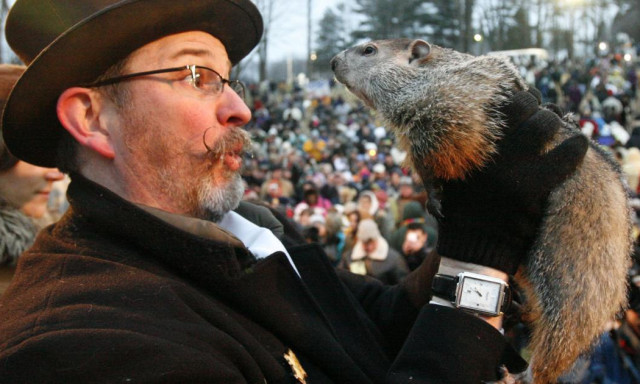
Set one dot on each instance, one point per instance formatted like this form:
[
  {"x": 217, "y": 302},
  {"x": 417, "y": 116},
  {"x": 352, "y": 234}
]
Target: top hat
[{"x": 71, "y": 42}]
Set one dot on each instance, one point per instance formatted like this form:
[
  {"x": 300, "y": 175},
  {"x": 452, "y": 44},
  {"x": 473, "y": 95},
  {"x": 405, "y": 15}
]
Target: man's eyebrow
[
  {"x": 196, "y": 52},
  {"x": 191, "y": 51}
]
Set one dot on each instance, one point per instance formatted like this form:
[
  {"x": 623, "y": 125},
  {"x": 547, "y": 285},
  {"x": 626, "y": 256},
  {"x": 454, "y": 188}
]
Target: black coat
[{"x": 113, "y": 294}]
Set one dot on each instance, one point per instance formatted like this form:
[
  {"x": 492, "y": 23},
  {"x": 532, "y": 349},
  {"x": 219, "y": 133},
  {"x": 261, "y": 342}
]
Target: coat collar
[
  {"x": 208, "y": 260},
  {"x": 380, "y": 254}
]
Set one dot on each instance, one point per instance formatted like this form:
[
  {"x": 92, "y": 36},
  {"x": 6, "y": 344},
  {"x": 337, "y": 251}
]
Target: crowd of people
[{"x": 324, "y": 160}]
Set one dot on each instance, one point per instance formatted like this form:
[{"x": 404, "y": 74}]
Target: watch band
[{"x": 445, "y": 287}]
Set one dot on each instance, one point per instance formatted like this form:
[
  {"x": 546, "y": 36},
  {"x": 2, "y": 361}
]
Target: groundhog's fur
[{"x": 443, "y": 108}]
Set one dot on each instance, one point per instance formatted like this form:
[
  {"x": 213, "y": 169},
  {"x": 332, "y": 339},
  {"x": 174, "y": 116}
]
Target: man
[
  {"x": 404, "y": 196},
  {"x": 276, "y": 186},
  {"x": 150, "y": 276},
  {"x": 414, "y": 213},
  {"x": 372, "y": 256},
  {"x": 414, "y": 246}
]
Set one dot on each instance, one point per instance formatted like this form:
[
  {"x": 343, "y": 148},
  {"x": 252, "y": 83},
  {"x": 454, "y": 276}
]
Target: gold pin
[{"x": 298, "y": 371}]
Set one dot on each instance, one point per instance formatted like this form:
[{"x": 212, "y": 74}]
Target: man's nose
[
  {"x": 232, "y": 109},
  {"x": 53, "y": 175}
]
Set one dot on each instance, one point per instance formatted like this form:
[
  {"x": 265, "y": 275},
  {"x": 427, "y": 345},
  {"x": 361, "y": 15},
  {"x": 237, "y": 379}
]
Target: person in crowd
[
  {"x": 631, "y": 168},
  {"x": 315, "y": 146},
  {"x": 159, "y": 272},
  {"x": 303, "y": 217},
  {"x": 405, "y": 195},
  {"x": 276, "y": 184},
  {"x": 372, "y": 256},
  {"x": 331, "y": 190},
  {"x": 330, "y": 235},
  {"x": 415, "y": 246},
  {"x": 351, "y": 228},
  {"x": 24, "y": 194},
  {"x": 590, "y": 104},
  {"x": 379, "y": 176},
  {"x": 369, "y": 208},
  {"x": 414, "y": 213},
  {"x": 311, "y": 199}
]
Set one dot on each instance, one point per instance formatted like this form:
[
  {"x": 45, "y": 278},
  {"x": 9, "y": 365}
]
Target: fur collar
[
  {"x": 17, "y": 233},
  {"x": 380, "y": 254}
]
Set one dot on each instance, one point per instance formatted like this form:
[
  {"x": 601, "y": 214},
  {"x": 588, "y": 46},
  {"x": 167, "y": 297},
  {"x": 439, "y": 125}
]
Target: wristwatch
[{"x": 474, "y": 293}]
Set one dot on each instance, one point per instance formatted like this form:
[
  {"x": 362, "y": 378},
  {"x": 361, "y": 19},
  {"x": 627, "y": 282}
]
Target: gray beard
[{"x": 216, "y": 201}]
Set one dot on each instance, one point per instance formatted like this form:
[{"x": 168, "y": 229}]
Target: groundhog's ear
[{"x": 419, "y": 50}]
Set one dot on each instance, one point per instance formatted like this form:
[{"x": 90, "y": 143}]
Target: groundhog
[{"x": 443, "y": 107}]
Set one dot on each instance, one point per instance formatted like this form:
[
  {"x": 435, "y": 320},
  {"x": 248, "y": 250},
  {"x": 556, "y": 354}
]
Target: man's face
[
  {"x": 311, "y": 198},
  {"x": 27, "y": 187},
  {"x": 414, "y": 240},
  {"x": 160, "y": 144},
  {"x": 406, "y": 190},
  {"x": 364, "y": 204},
  {"x": 370, "y": 246}
]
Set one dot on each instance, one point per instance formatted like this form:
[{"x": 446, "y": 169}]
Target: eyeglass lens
[{"x": 208, "y": 80}]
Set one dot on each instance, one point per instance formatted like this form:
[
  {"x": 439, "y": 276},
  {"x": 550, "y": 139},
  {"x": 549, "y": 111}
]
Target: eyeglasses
[{"x": 201, "y": 78}]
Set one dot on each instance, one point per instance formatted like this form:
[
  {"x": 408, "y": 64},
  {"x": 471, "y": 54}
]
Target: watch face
[{"x": 479, "y": 295}]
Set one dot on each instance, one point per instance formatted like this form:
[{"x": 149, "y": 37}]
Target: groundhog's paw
[
  {"x": 518, "y": 109},
  {"x": 555, "y": 109},
  {"x": 564, "y": 159},
  {"x": 532, "y": 136}
]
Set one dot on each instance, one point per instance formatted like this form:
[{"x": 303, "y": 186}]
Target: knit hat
[{"x": 368, "y": 230}]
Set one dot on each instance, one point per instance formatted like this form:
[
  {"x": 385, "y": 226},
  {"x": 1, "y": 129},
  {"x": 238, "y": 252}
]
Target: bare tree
[
  {"x": 466, "y": 25},
  {"x": 273, "y": 12},
  {"x": 496, "y": 17}
]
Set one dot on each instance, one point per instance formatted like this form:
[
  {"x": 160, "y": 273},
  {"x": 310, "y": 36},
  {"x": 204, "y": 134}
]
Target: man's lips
[{"x": 233, "y": 160}]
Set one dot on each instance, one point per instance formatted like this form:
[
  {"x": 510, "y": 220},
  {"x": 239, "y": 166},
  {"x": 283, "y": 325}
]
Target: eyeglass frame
[{"x": 190, "y": 67}]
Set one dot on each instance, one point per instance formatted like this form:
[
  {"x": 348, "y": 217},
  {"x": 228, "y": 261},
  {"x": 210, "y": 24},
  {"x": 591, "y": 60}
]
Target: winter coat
[
  {"x": 384, "y": 264},
  {"x": 113, "y": 293}
]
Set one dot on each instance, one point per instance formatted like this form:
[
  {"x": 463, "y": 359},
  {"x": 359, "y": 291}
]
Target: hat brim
[{"x": 30, "y": 125}]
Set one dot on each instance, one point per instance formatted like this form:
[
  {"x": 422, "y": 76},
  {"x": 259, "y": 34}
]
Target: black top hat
[{"x": 71, "y": 42}]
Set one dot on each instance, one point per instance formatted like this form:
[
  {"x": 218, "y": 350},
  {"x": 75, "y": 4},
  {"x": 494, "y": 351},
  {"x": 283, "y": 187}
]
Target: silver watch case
[{"x": 480, "y": 294}]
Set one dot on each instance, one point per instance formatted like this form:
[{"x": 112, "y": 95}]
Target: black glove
[{"x": 491, "y": 218}]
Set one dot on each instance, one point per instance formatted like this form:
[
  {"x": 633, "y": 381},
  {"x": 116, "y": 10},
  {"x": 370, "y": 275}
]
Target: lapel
[
  {"x": 356, "y": 332},
  {"x": 275, "y": 297}
]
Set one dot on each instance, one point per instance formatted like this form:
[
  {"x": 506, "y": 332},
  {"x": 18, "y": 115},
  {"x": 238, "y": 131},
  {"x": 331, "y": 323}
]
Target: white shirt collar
[{"x": 260, "y": 241}]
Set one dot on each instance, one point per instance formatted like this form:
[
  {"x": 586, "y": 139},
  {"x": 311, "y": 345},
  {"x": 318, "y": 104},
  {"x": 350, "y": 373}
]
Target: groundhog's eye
[{"x": 369, "y": 50}]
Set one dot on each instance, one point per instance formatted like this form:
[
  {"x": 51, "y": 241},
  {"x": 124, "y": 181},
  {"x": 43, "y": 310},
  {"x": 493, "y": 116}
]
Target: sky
[{"x": 288, "y": 37}]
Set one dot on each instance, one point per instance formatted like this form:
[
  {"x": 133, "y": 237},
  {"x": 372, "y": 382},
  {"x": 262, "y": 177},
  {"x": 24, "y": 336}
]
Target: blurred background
[{"x": 301, "y": 36}]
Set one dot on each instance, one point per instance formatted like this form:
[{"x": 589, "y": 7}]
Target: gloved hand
[{"x": 491, "y": 217}]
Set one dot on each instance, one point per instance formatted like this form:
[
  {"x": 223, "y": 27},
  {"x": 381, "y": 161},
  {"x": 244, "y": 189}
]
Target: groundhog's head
[
  {"x": 437, "y": 101},
  {"x": 375, "y": 70}
]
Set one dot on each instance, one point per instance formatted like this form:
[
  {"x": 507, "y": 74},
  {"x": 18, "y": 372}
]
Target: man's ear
[{"x": 79, "y": 113}]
